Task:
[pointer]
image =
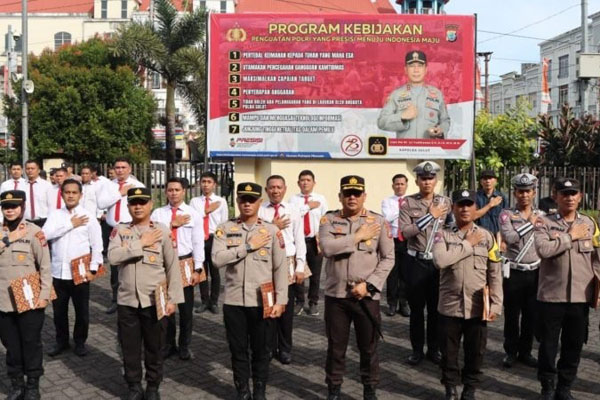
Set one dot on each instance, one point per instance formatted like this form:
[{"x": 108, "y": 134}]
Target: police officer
[
  {"x": 468, "y": 259},
  {"x": 520, "y": 269},
  {"x": 252, "y": 252},
  {"x": 23, "y": 250},
  {"x": 421, "y": 216},
  {"x": 143, "y": 251},
  {"x": 568, "y": 244},
  {"x": 415, "y": 110},
  {"x": 359, "y": 251}
]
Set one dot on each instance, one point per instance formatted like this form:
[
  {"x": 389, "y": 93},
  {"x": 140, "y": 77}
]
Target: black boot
[
  {"x": 136, "y": 391},
  {"x": 152, "y": 393},
  {"x": 451, "y": 393},
  {"x": 547, "y": 389},
  {"x": 468, "y": 393},
  {"x": 369, "y": 392},
  {"x": 258, "y": 390},
  {"x": 563, "y": 393},
  {"x": 334, "y": 392},
  {"x": 32, "y": 388},
  {"x": 243, "y": 390},
  {"x": 17, "y": 388}
]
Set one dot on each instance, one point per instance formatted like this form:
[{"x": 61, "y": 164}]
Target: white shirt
[
  {"x": 315, "y": 214},
  {"x": 40, "y": 203},
  {"x": 10, "y": 185},
  {"x": 390, "y": 207},
  {"x": 88, "y": 201},
  {"x": 68, "y": 243},
  {"x": 52, "y": 199},
  {"x": 190, "y": 237},
  {"x": 216, "y": 217},
  {"x": 293, "y": 235},
  {"x": 109, "y": 196}
]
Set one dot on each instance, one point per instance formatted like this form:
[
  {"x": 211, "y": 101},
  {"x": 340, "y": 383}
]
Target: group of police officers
[{"x": 426, "y": 246}]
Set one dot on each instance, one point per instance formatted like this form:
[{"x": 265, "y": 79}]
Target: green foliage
[{"x": 87, "y": 105}]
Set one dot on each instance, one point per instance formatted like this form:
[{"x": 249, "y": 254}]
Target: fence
[{"x": 458, "y": 178}]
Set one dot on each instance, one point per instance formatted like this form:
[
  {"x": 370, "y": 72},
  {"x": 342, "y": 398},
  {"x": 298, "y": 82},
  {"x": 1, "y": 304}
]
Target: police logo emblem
[
  {"x": 152, "y": 258},
  {"x": 524, "y": 180},
  {"x": 568, "y": 184},
  {"x": 9, "y": 196},
  {"x": 21, "y": 257},
  {"x": 465, "y": 193},
  {"x": 428, "y": 167},
  {"x": 415, "y": 56},
  {"x": 353, "y": 181},
  {"x": 262, "y": 252},
  {"x": 138, "y": 191},
  {"x": 248, "y": 188},
  {"x": 451, "y": 33}
]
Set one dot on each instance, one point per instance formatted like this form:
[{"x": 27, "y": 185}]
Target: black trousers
[
  {"x": 315, "y": 262},
  {"x": 474, "y": 333},
  {"x": 114, "y": 281},
  {"x": 339, "y": 314},
  {"x": 250, "y": 338},
  {"x": 285, "y": 324},
  {"x": 396, "y": 280},
  {"x": 520, "y": 303},
  {"x": 213, "y": 274},
  {"x": 186, "y": 318},
  {"x": 80, "y": 295},
  {"x": 569, "y": 322},
  {"x": 21, "y": 335},
  {"x": 139, "y": 326},
  {"x": 106, "y": 230},
  {"x": 423, "y": 281}
]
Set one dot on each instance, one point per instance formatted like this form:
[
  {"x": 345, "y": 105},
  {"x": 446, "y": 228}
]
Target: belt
[
  {"x": 421, "y": 255},
  {"x": 185, "y": 257},
  {"x": 525, "y": 267},
  {"x": 310, "y": 239}
]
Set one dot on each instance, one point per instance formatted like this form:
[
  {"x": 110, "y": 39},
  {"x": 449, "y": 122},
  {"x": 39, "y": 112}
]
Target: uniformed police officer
[
  {"x": 568, "y": 244},
  {"x": 143, "y": 251},
  {"x": 23, "y": 250},
  {"x": 520, "y": 269},
  {"x": 359, "y": 251},
  {"x": 421, "y": 216},
  {"x": 252, "y": 252},
  {"x": 415, "y": 110},
  {"x": 468, "y": 258}
]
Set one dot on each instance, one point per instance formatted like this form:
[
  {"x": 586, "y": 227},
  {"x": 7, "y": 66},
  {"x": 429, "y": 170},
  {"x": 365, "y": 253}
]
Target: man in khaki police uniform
[
  {"x": 568, "y": 244},
  {"x": 143, "y": 251},
  {"x": 252, "y": 252},
  {"x": 468, "y": 258},
  {"x": 359, "y": 251}
]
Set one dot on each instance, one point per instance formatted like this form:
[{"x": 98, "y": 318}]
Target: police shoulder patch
[
  {"x": 219, "y": 233},
  {"x": 114, "y": 232},
  {"x": 42, "y": 238},
  {"x": 323, "y": 220},
  {"x": 280, "y": 239}
]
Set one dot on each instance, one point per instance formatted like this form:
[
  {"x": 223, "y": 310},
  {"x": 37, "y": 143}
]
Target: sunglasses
[{"x": 136, "y": 202}]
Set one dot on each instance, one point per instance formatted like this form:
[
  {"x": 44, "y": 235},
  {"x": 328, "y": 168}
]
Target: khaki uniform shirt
[
  {"x": 431, "y": 112},
  {"x": 464, "y": 271},
  {"x": 369, "y": 261},
  {"x": 415, "y": 222},
  {"x": 246, "y": 271},
  {"x": 568, "y": 267},
  {"x": 25, "y": 256},
  {"x": 516, "y": 232},
  {"x": 142, "y": 269}
]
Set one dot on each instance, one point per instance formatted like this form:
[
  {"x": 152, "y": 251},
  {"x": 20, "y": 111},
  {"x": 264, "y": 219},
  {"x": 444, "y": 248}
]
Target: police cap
[
  {"x": 415, "y": 56},
  {"x": 12, "y": 197},
  {"x": 568, "y": 185},
  {"x": 524, "y": 181},
  {"x": 249, "y": 189},
  {"x": 140, "y": 194},
  {"x": 427, "y": 169},
  {"x": 464, "y": 196},
  {"x": 352, "y": 182}
]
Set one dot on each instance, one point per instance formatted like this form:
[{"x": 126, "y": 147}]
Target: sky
[{"x": 506, "y": 16}]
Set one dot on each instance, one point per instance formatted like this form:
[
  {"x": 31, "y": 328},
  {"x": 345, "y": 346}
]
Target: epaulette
[
  {"x": 331, "y": 211},
  {"x": 373, "y": 212}
]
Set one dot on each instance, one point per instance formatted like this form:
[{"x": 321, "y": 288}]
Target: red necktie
[
  {"x": 32, "y": 200},
  {"x": 206, "y": 226},
  {"x": 306, "y": 218},
  {"x": 16, "y": 184},
  {"x": 276, "y": 207},
  {"x": 58, "y": 198},
  {"x": 400, "y": 236},
  {"x": 118, "y": 206},
  {"x": 174, "y": 230}
]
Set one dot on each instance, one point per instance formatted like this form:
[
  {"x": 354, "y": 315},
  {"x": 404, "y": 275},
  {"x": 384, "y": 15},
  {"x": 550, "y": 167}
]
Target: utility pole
[
  {"x": 24, "y": 100},
  {"x": 487, "y": 55},
  {"x": 584, "y": 49}
]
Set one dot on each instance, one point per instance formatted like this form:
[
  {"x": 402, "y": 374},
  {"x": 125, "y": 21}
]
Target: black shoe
[
  {"x": 243, "y": 390},
  {"x": 299, "y": 309},
  {"x": 169, "y": 350},
  {"x": 563, "y": 393},
  {"x": 32, "y": 389},
  {"x": 508, "y": 360},
  {"x": 57, "y": 349},
  {"x": 152, "y": 393},
  {"x": 468, "y": 393},
  {"x": 415, "y": 358},
  {"x": 312, "y": 310},
  {"x": 258, "y": 390},
  {"x": 451, "y": 393},
  {"x": 434, "y": 356},
  {"x": 184, "y": 353},
  {"x": 547, "y": 392},
  {"x": 369, "y": 392},
  {"x": 334, "y": 392},
  {"x": 17, "y": 388},
  {"x": 201, "y": 308},
  {"x": 136, "y": 392},
  {"x": 528, "y": 360},
  {"x": 80, "y": 350},
  {"x": 285, "y": 357},
  {"x": 213, "y": 308},
  {"x": 404, "y": 309},
  {"x": 391, "y": 311},
  {"x": 111, "y": 309}
]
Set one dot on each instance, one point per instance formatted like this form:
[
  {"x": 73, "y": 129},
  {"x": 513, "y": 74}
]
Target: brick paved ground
[{"x": 208, "y": 375}]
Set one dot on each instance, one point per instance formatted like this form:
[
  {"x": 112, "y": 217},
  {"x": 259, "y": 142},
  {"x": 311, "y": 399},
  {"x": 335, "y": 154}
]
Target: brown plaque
[
  {"x": 486, "y": 303},
  {"x": 26, "y": 291},
  {"x": 267, "y": 290},
  {"x": 596, "y": 295},
  {"x": 161, "y": 299},
  {"x": 80, "y": 266}
]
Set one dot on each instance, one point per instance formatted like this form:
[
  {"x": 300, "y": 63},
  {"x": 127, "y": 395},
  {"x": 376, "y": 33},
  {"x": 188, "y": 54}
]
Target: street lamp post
[{"x": 24, "y": 100}]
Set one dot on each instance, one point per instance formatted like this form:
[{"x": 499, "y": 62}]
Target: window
[
  {"x": 563, "y": 66},
  {"x": 563, "y": 94},
  {"x": 104, "y": 9},
  {"x": 549, "y": 71},
  {"x": 223, "y": 6},
  {"x": 123, "y": 9},
  {"x": 533, "y": 100},
  {"x": 60, "y": 39},
  {"x": 155, "y": 77},
  {"x": 507, "y": 105}
]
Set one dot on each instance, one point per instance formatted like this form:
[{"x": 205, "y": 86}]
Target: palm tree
[{"x": 170, "y": 46}]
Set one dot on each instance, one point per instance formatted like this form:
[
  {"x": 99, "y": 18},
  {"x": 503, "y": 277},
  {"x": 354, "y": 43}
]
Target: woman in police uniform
[{"x": 23, "y": 250}]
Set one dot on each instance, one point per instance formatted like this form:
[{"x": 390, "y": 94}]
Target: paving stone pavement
[{"x": 208, "y": 374}]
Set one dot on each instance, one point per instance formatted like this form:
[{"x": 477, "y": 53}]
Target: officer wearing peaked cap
[
  {"x": 520, "y": 268},
  {"x": 421, "y": 216},
  {"x": 415, "y": 110}
]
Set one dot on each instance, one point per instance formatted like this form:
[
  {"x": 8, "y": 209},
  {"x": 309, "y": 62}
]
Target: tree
[
  {"x": 87, "y": 105},
  {"x": 169, "y": 48}
]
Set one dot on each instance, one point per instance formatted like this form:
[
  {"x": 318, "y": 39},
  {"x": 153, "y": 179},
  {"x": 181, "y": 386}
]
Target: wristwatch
[
  {"x": 6, "y": 241},
  {"x": 371, "y": 289},
  {"x": 93, "y": 272},
  {"x": 248, "y": 247}
]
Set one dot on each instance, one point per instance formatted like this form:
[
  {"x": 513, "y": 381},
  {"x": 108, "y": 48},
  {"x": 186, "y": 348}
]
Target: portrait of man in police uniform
[{"x": 415, "y": 110}]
